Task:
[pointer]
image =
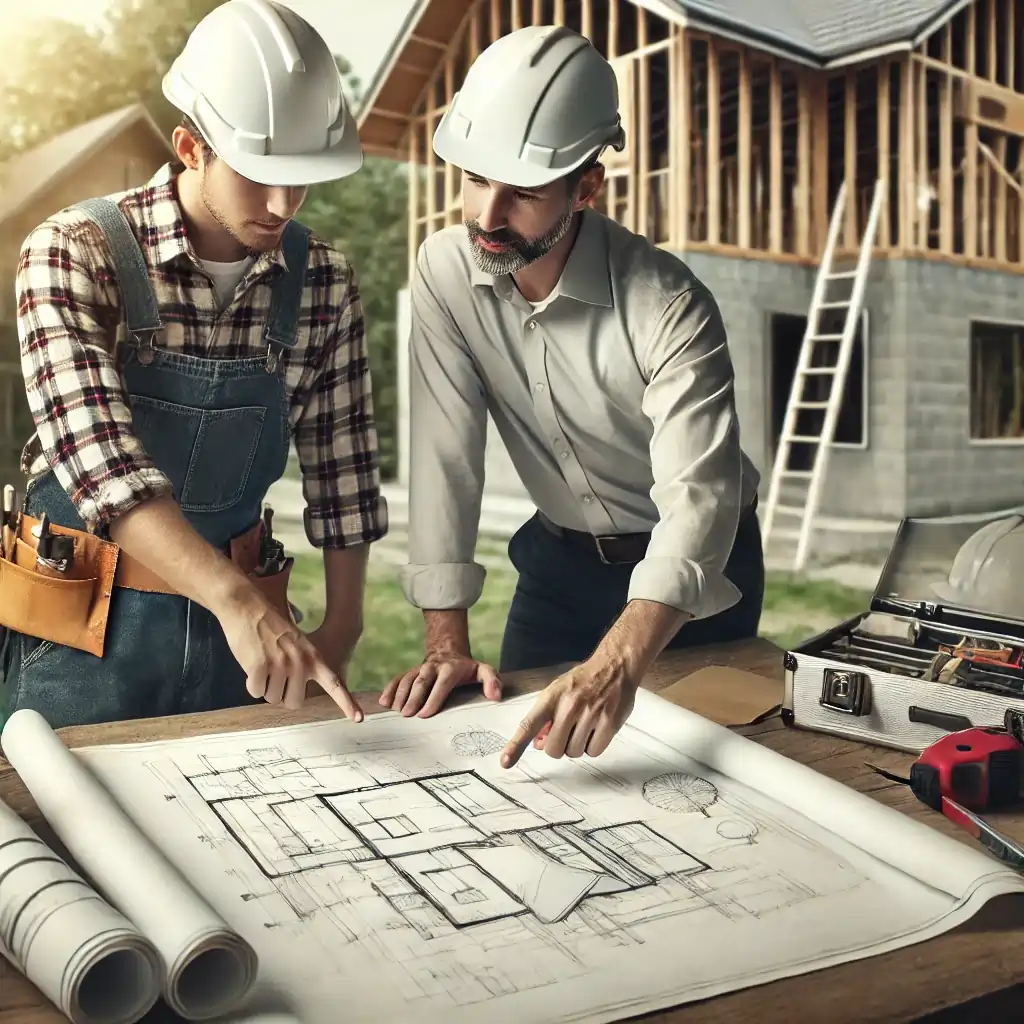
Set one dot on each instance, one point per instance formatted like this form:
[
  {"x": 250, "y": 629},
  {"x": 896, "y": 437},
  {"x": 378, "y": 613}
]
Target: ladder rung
[
  {"x": 810, "y": 405},
  {"x": 786, "y": 534},
  {"x": 818, "y": 371},
  {"x": 796, "y": 474},
  {"x": 802, "y": 439},
  {"x": 826, "y": 337},
  {"x": 791, "y": 510},
  {"x": 835, "y": 305},
  {"x": 843, "y": 275}
]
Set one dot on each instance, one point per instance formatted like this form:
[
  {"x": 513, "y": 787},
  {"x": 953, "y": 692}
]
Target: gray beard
[{"x": 523, "y": 253}]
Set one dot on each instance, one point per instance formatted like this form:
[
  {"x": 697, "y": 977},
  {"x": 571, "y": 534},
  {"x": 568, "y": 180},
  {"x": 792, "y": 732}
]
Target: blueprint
[{"x": 394, "y": 869}]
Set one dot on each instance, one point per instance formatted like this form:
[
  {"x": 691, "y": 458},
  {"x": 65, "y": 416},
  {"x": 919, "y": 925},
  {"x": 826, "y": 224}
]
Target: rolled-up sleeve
[
  {"x": 448, "y": 428},
  {"x": 696, "y": 460}
]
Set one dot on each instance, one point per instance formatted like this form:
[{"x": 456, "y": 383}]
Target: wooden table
[{"x": 967, "y": 974}]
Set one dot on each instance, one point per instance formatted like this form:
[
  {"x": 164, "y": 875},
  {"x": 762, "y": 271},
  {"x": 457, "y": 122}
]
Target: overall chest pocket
[{"x": 207, "y": 453}]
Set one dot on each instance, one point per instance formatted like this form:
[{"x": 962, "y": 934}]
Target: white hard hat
[
  {"x": 264, "y": 89},
  {"x": 988, "y": 570},
  {"x": 535, "y": 105}
]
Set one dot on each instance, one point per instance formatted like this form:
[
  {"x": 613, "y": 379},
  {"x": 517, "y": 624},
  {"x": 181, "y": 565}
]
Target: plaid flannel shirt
[{"x": 70, "y": 319}]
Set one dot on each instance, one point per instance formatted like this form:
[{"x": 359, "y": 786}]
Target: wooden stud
[
  {"x": 971, "y": 155},
  {"x": 449, "y": 170},
  {"x": 537, "y": 13},
  {"x": 414, "y": 204},
  {"x": 559, "y": 12},
  {"x": 640, "y": 183},
  {"x": 946, "y": 196},
  {"x": 922, "y": 191},
  {"x": 775, "y": 201},
  {"x": 1002, "y": 176},
  {"x": 851, "y": 230},
  {"x": 682, "y": 126},
  {"x": 885, "y": 147},
  {"x": 803, "y": 164},
  {"x": 743, "y": 153},
  {"x": 820, "y": 157},
  {"x": 517, "y": 15},
  {"x": 992, "y": 62},
  {"x": 1011, "y": 44},
  {"x": 587, "y": 19},
  {"x": 714, "y": 171},
  {"x": 908, "y": 201}
]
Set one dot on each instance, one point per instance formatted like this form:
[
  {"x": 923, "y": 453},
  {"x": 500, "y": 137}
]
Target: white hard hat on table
[
  {"x": 535, "y": 105},
  {"x": 263, "y": 88},
  {"x": 987, "y": 571}
]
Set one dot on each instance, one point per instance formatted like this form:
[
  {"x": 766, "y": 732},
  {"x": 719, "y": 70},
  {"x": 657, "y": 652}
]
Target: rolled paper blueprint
[
  {"x": 209, "y": 968},
  {"x": 83, "y": 955}
]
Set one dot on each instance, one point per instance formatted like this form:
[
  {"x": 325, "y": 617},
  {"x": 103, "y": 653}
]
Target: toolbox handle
[{"x": 940, "y": 719}]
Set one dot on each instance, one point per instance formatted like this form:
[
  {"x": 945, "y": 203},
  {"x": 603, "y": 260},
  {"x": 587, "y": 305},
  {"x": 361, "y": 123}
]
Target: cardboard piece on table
[{"x": 728, "y": 696}]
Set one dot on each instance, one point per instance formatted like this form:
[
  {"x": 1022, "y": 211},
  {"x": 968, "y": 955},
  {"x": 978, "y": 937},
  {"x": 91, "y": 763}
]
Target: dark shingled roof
[{"x": 823, "y": 29}]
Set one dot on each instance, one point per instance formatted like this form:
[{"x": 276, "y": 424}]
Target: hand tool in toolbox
[{"x": 973, "y": 770}]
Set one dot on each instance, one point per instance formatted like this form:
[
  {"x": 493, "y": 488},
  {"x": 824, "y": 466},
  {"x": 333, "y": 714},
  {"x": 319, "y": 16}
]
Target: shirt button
[
  {"x": 587, "y": 499},
  {"x": 531, "y": 324},
  {"x": 563, "y": 455},
  {"x": 538, "y": 387}
]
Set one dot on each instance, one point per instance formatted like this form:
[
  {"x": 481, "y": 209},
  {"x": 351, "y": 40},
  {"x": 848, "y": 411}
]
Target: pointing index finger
[
  {"x": 539, "y": 715},
  {"x": 338, "y": 692}
]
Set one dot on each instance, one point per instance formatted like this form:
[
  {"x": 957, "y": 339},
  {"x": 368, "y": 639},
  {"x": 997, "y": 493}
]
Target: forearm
[
  {"x": 640, "y": 634},
  {"x": 345, "y": 579},
  {"x": 447, "y": 632},
  {"x": 157, "y": 534}
]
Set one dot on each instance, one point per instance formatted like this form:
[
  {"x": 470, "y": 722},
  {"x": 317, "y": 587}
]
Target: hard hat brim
[
  {"x": 516, "y": 174},
  {"x": 292, "y": 170}
]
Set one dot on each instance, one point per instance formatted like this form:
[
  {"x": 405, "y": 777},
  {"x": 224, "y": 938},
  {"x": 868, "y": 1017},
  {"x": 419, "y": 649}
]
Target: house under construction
[{"x": 845, "y": 175}]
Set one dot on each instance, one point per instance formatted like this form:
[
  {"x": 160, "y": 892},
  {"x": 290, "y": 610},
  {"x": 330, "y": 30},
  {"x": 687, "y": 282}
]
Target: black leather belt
[{"x": 614, "y": 548}]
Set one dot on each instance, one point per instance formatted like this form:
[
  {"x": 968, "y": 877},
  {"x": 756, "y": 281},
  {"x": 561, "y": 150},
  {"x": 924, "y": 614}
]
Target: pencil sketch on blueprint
[{"x": 395, "y": 866}]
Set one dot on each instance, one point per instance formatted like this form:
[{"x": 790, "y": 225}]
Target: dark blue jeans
[{"x": 567, "y": 598}]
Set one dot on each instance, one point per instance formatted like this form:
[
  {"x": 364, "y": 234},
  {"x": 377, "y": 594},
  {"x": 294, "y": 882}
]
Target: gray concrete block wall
[
  {"x": 749, "y": 291},
  {"x": 946, "y": 473}
]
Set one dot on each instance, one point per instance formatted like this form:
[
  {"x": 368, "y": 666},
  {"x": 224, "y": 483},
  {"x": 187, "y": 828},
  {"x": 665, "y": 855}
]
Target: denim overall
[{"x": 218, "y": 428}]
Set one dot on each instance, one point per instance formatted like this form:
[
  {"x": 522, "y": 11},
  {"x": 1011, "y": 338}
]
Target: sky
[{"x": 349, "y": 30}]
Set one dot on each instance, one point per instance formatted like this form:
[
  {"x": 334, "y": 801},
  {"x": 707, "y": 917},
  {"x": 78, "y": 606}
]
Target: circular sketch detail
[
  {"x": 477, "y": 743},
  {"x": 679, "y": 792},
  {"x": 733, "y": 829}
]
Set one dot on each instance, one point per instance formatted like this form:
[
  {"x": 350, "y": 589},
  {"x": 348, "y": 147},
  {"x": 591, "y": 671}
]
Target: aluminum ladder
[{"x": 811, "y": 370}]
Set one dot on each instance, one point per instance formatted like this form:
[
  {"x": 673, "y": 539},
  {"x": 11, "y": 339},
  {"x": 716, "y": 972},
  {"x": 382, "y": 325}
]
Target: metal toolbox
[{"x": 941, "y": 647}]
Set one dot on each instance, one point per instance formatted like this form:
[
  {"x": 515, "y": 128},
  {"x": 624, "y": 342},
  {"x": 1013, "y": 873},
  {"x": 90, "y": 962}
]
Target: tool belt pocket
[{"x": 69, "y": 607}]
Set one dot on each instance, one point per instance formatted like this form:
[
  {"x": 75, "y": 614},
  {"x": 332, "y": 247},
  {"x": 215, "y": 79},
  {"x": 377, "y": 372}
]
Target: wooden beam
[
  {"x": 946, "y": 198},
  {"x": 851, "y": 231},
  {"x": 885, "y": 147},
  {"x": 1002, "y": 177},
  {"x": 971, "y": 154},
  {"x": 992, "y": 62},
  {"x": 414, "y": 204},
  {"x": 639, "y": 183},
  {"x": 922, "y": 190},
  {"x": 682, "y": 127},
  {"x": 714, "y": 171},
  {"x": 803, "y": 164},
  {"x": 449, "y": 170},
  {"x": 1011, "y": 44},
  {"x": 743, "y": 154},
  {"x": 820, "y": 151},
  {"x": 908, "y": 203},
  {"x": 775, "y": 201},
  {"x": 432, "y": 43}
]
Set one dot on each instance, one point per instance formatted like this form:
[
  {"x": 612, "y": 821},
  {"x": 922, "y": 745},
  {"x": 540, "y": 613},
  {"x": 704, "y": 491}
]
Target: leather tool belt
[{"x": 70, "y": 607}]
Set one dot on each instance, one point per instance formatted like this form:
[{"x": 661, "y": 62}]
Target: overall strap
[
  {"x": 282, "y": 326},
  {"x": 140, "y": 306}
]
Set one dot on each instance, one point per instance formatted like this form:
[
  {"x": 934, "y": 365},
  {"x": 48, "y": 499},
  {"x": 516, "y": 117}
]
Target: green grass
[{"x": 794, "y": 610}]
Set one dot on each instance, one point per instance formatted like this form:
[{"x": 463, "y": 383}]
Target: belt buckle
[{"x": 599, "y": 542}]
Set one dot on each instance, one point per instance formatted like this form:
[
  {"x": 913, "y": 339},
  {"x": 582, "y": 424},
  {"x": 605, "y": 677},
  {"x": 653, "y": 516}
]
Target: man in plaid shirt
[{"x": 166, "y": 440}]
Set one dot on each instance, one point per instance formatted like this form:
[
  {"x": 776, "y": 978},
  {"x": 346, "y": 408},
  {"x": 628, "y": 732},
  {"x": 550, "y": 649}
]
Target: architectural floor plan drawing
[{"x": 395, "y": 869}]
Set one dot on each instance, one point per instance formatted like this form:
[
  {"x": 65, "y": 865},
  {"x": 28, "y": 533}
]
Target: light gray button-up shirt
[{"x": 614, "y": 398}]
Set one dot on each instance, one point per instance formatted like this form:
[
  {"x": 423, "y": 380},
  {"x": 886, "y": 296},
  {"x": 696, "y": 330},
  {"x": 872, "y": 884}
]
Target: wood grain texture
[{"x": 979, "y": 961}]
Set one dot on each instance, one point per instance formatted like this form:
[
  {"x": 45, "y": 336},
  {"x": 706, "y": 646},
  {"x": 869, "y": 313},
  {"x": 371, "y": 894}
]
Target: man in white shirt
[{"x": 605, "y": 366}]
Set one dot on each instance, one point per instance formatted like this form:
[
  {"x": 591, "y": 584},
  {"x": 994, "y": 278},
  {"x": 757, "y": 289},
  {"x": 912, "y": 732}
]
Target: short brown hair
[{"x": 193, "y": 129}]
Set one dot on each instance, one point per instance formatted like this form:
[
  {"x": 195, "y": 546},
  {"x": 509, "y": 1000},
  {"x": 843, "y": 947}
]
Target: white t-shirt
[{"x": 226, "y": 277}]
